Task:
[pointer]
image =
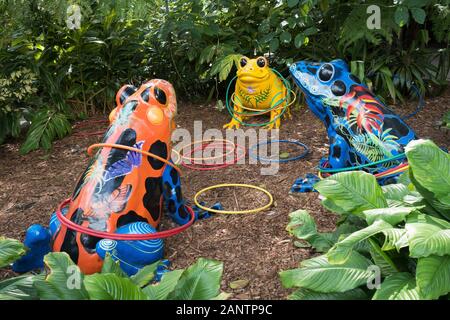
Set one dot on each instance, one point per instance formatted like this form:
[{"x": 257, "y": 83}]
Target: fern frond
[{"x": 46, "y": 126}]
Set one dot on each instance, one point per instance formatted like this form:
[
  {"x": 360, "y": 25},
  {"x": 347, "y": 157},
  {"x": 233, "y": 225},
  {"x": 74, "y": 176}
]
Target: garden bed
[{"x": 253, "y": 247}]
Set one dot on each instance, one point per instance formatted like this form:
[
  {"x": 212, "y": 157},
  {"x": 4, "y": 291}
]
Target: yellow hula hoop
[
  {"x": 269, "y": 195},
  {"x": 178, "y": 157},
  {"x": 260, "y": 112},
  {"x": 207, "y": 158}
]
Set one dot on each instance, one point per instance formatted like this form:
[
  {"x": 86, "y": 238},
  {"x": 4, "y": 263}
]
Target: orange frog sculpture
[{"x": 123, "y": 191}]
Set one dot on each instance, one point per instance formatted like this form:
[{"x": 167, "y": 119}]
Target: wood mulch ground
[{"x": 253, "y": 247}]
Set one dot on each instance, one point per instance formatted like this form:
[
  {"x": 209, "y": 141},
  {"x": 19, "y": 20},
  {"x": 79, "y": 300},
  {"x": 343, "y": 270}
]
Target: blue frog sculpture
[{"x": 363, "y": 133}]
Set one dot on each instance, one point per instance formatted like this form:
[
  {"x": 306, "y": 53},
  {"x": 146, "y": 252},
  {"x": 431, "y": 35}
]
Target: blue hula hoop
[{"x": 298, "y": 143}]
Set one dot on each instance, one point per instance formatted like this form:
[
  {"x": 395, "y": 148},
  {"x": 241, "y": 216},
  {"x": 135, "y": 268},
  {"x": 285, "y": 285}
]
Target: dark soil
[{"x": 253, "y": 247}]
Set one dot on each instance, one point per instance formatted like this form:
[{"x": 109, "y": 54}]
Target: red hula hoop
[
  {"x": 209, "y": 167},
  {"x": 116, "y": 236}
]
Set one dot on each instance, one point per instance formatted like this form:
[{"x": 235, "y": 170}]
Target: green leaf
[
  {"x": 19, "y": 288},
  {"x": 10, "y": 251},
  {"x": 284, "y": 155},
  {"x": 426, "y": 239},
  {"x": 392, "y": 216},
  {"x": 239, "y": 284},
  {"x": 302, "y": 226},
  {"x": 285, "y": 37},
  {"x": 299, "y": 40},
  {"x": 46, "y": 126},
  {"x": 353, "y": 192},
  {"x": 305, "y": 294},
  {"x": 430, "y": 168},
  {"x": 274, "y": 44},
  {"x": 394, "y": 239},
  {"x": 418, "y": 15},
  {"x": 201, "y": 281},
  {"x": 319, "y": 275},
  {"x": 433, "y": 276},
  {"x": 398, "y": 286},
  {"x": 145, "y": 275},
  {"x": 342, "y": 250},
  {"x": 111, "y": 266},
  {"x": 401, "y": 16},
  {"x": 395, "y": 191},
  {"x": 310, "y": 31},
  {"x": 112, "y": 287},
  {"x": 292, "y": 3},
  {"x": 162, "y": 289},
  {"x": 65, "y": 280}
]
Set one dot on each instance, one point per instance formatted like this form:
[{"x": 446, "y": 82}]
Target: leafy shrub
[
  {"x": 64, "y": 280},
  {"x": 403, "y": 229},
  {"x": 16, "y": 92}
]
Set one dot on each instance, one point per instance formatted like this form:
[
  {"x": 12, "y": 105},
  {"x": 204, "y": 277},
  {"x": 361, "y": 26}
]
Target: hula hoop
[
  {"x": 208, "y": 158},
  {"x": 396, "y": 157},
  {"x": 395, "y": 170},
  {"x": 120, "y": 146},
  {"x": 117, "y": 236},
  {"x": 208, "y": 167},
  {"x": 284, "y": 108},
  {"x": 178, "y": 157},
  {"x": 302, "y": 155},
  {"x": 269, "y": 195}
]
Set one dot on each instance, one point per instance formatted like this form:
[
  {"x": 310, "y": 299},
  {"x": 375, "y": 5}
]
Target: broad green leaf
[
  {"x": 19, "y": 288},
  {"x": 430, "y": 167},
  {"x": 145, "y": 275},
  {"x": 394, "y": 239},
  {"x": 292, "y": 3},
  {"x": 342, "y": 250},
  {"x": 299, "y": 40},
  {"x": 354, "y": 192},
  {"x": 433, "y": 276},
  {"x": 303, "y": 227},
  {"x": 395, "y": 191},
  {"x": 201, "y": 281},
  {"x": 398, "y": 286},
  {"x": 426, "y": 239},
  {"x": 392, "y": 216},
  {"x": 10, "y": 251},
  {"x": 65, "y": 280},
  {"x": 110, "y": 286},
  {"x": 418, "y": 15},
  {"x": 382, "y": 259},
  {"x": 111, "y": 266},
  {"x": 285, "y": 37},
  {"x": 319, "y": 275},
  {"x": 274, "y": 44},
  {"x": 401, "y": 16},
  {"x": 305, "y": 294},
  {"x": 162, "y": 289}
]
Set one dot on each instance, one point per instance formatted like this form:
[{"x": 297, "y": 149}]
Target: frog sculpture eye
[
  {"x": 261, "y": 62},
  {"x": 243, "y": 62},
  {"x": 326, "y": 72},
  {"x": 160, "y": 95},
  {"x": 338, "y": 88}
]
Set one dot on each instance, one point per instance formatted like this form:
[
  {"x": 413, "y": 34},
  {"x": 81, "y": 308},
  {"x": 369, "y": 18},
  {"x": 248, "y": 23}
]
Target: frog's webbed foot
[
  {"x": 305, "y": 184},
  {"x": 233, "y": 124},
  {"x": 287, "y": 114}
]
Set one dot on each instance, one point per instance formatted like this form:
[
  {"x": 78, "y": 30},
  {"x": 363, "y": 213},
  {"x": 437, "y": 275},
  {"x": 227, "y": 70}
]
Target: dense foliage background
[{"x": 51, "y": 74}]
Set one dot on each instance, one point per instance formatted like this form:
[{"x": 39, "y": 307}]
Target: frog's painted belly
[{"x": 260, "y": 96}]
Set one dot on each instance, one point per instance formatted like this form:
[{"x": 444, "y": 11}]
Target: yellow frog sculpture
[{"x": 257, "y": 88}]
